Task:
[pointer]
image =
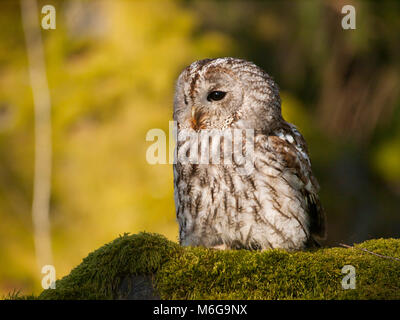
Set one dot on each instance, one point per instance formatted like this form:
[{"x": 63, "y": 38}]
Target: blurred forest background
[{"x": 111, "y": 67}]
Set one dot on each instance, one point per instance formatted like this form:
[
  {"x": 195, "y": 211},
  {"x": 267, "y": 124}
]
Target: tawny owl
[{"x": 270, "y": 202}]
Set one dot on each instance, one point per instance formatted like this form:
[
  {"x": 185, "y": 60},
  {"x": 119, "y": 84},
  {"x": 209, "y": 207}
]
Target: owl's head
[{"x": 226, "y": 93}]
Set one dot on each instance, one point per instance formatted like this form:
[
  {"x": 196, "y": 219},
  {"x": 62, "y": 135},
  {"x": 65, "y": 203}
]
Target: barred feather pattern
[{"x": 273, "y": 205}]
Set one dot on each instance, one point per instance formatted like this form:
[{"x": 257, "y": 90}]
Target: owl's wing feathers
[{"x": 291, "y": 151}]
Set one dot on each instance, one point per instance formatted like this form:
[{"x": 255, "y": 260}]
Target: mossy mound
[
  {"x": 102, "y": 272},
  {"x": 199, "y": 273}
]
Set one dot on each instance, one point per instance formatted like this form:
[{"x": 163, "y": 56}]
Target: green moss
[
  {"x": 16, "y": 295},
  {"x": 200, "y": 273},
  {"x": 101, "y": 272}
]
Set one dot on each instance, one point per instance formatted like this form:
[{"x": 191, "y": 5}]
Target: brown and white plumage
[{"x": 274, "y": 205}]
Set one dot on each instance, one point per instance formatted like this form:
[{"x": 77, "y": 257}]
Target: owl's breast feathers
[{"x": 290, "y": 150}]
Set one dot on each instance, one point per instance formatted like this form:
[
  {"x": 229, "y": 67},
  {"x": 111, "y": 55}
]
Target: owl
[{"x": 271, "y": 204}]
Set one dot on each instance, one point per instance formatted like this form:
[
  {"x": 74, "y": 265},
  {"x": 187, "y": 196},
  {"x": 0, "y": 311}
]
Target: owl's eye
[{"x": 216, "y": 95}]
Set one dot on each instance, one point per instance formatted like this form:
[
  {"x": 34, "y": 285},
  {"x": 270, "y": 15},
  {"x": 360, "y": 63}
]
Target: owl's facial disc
[
  {"x": 208, "y": 107},
  {"x": 226, "y": 93},
  {"x": 198, "y": 116},
  {"x": 214, "y": 100}
]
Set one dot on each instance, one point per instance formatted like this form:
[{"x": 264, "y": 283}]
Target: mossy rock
[{"x": 148, "y": 266}]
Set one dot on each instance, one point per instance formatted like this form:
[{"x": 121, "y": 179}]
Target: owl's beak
[
  {"x": 193, "y": 112},
  {"x": 197, "y": 119}
]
